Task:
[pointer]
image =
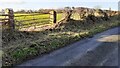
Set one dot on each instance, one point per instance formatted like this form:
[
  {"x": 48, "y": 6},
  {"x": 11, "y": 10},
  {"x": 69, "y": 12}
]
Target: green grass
[
  {"x": 24, "y": 52},
  {"x": 24, "y": 45},
  {"x": 59, "y": 40},
  {"x": 20, "y": 46},
  {"x": 41, "y": 19},
  {"x": 28, "y": 20}
]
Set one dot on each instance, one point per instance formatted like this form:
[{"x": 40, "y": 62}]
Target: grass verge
[{"x": 21, "y": 46}]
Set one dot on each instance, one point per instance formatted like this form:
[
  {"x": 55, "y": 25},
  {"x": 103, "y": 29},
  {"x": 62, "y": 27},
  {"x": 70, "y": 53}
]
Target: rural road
[{"x": 100, "y": 50}]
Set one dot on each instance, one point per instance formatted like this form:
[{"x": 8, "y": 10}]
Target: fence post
[
  {"x": 11, "y": 22},
  {"x": 53, "y": 16}
]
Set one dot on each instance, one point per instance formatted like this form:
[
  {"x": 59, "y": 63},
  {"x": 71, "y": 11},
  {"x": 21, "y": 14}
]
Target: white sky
[
  {"x": 36, "y": 4},
  {"x": 19, "y": 1}
]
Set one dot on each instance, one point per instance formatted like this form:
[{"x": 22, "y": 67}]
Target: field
[
  {"x": 32, "y": 19},
  {"x": 24, "y": 20},
  {"x": 27, "y": 20}
]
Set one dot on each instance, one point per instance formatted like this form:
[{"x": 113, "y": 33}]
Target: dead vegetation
[{"x": 19, "y": 46}]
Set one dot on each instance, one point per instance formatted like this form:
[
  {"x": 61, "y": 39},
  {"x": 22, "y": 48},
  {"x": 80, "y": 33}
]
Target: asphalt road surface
[{"x": 100, "y": 50}]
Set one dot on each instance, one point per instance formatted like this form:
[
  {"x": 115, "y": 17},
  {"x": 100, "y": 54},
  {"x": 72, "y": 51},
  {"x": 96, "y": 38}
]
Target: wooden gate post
[
  {"x": 11, "y": 22},
  {"x": 53, "y": 16}
]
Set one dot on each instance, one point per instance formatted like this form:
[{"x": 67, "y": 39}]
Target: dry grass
[{"x": 19, "y": 46}]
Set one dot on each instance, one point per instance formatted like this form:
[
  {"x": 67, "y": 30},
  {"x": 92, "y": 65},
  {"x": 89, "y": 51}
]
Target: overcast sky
[{"x": 37, "y": 4}]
